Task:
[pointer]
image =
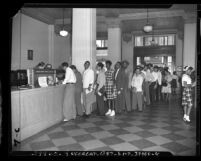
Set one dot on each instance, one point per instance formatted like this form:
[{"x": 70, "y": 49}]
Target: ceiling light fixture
[
  {"x": 147, "y": 28},
  {"x": 63, "y": 32}
]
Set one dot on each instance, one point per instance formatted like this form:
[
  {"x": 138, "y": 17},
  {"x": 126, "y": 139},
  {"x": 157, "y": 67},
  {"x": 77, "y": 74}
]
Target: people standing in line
[
  {"x": 69, "y": 109},
  {"x": 78, "y": 90},
  {"x": 119, "y": 78},
  {"x": 187, "y": 85},
  {"x": 88, "y": 81},
  {"x": 159, "y": 81},
  {"x": 100, "y": 89},
  {"x": 136, "y": 84},
  {"x": 154, "y": 84},
  {"x": 110, "y": 89},
  {"x": 174, "y": 82},
  {"x": 127, "y": 85},
  {"x": 166, "y": 86},
  {"x": 148, "y": 78}
]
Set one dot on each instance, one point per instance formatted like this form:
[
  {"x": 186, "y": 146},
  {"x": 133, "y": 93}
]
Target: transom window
[
  {"x": 161, "y": 40},
  {"x": 101, "y": 44}
]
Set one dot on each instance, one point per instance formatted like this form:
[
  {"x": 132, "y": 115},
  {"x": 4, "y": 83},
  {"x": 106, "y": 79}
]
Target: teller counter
[{"x": 34, "y": 110}]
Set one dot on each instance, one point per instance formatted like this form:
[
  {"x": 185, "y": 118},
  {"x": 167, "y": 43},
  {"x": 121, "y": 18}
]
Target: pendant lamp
[
  {"x": 147, "y": 28},
  {"x": 63, "y": 32}
]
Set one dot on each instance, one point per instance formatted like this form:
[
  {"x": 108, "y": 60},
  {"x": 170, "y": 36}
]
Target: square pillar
[{"x": 84, "y": 37}]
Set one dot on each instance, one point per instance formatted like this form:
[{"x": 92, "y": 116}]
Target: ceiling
[{"x": 53, "y": 15}]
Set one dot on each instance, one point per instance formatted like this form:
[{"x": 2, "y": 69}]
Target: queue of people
[{"x": 118, "y": 90}]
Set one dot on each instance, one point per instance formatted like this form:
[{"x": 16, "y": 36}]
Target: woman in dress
[
  {"x": 187, "y": 85},
  {"x": 110, "y": 89},
  {"x": 166, "y": 86}
]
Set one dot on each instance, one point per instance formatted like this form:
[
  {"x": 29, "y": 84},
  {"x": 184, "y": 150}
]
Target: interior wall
[
  {"x": 62, "y": 50},
  {"x": 179, "y": 51},
  {"x": 35, "y": 36}
]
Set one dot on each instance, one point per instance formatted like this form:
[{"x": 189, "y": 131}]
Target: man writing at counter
[
  {"x": 88, "y": 81},
  {"x": 69, "y": 108}
]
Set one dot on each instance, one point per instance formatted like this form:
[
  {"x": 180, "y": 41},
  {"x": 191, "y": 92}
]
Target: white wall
[
  {"x": 61, "y": 50},
  {"x": 189, "y": 52},
  {"x": 35, "y": 35}
]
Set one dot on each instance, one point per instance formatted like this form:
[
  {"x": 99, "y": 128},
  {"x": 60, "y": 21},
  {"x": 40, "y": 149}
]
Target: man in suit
[
  {"x": 119, "y": 80},
  {"x": 127, "y": 85}
]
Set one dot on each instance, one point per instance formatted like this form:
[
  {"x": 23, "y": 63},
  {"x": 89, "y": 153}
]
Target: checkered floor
[{"x": 158, "y": 128}]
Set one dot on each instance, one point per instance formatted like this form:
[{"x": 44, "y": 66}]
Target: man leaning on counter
[{"x": 69, "y": 108}]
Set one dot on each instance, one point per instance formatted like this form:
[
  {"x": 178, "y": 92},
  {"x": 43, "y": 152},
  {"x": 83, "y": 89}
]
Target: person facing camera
[
  {"x": 136, "y": 84},
  {"x": 100, "y": 89}
]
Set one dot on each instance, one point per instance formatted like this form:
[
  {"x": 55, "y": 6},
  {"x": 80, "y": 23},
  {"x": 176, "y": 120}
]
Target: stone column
[
  {"x": 51, "y": 45},
  {"x": 179, "y": 48},
  {"x": 114, "y": 40},
  {"x": 189, "y": 52},
  {"x": 84, "y": 37}
]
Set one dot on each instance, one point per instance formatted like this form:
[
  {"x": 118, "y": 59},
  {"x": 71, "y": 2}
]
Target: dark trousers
[
  {"x": 158, "y": 92},
  {"x": 127, "y": 94},
  {"x": 152, "y": 92},
  {"x": 100, "y": 105},
  {"x": 120, "y": 102}
]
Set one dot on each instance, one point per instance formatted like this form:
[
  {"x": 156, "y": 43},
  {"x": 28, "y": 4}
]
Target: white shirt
[
  {"x": 117, "y": 73},
  {"x": 137, "y": 82},
  {"x": 88, "y": 78},
  {"x": 159, "y": 77},
  {"x": 155, "y": 75},
  {"x": 69, "y": 76},
  {"x": 186, "y": 78}
]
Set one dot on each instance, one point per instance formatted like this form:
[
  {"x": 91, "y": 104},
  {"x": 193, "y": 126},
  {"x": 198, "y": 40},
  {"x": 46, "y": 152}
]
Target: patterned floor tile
[
  {"x": 175, "y": 147},
  {"x": 186, "y": 133},
  {"x": 145, "y": 134},
  {"x": 191, "y": 143},
  {"x": 160, "y": 124},
  {"x": 109, "y": 127},
  {"x": 156, "y": 148},
  {"x": 136, "y": 122},
  {"x": 86, "y": 125},
  {"x": 123, "y": 124},
  {"x": 76, "y": 132},
  {"x": 112, "y": 140},
  {"x": 93, "y": 129},
  {"x": 102, "y": 134},
  {"x": 41, "y": 138},
  {"x": 56, "y": 135},
  {"x": 159, "y": 140},
  {"x": 124, "y": 147},
  {"x": 50, "y": 149},
  {"x": 101, "y": 123},
  {"x": 35, "y": 146},
  {"x": 187, "y": 153},
  {"x": 129, "y": 137},
  {"x": 133, "y": 129},
  {"x": 71, "y": 147},
  {"x": 172, "y": 128},
  {"x": 159, "y": 131},
  {"x": 86, "y": 137},
  {"x": 118, "y": 131},
  {"x": 146, "y": 126},
  {"x": 174, "y": 137},
  {"x": 70, "y": 127},
  {"x": 141, "y": 144},
  {"x": 58, "y": 129},
  {"x": 92, "y": 144},
  {"x": 105, "y": 148},
  {"x": 63, "y": 141}
]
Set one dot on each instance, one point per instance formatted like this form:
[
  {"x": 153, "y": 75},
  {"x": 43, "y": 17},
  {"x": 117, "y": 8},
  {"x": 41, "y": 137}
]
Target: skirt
[
  {"x": 174, "y": 83},
  {"x": 110, "y": 91},
  {"x": 187, "y": 97}
]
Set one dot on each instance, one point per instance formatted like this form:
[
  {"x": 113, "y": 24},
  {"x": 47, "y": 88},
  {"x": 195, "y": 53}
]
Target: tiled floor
[{"x": 158, "y": 128}]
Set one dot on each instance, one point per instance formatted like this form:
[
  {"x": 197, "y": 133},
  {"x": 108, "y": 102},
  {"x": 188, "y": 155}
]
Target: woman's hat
[{"x": 187, "y": 67}]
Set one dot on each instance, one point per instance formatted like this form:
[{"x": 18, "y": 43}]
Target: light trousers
[
  {"x": 137, "y": 101},
  {"x": 69, "y": 108}
]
